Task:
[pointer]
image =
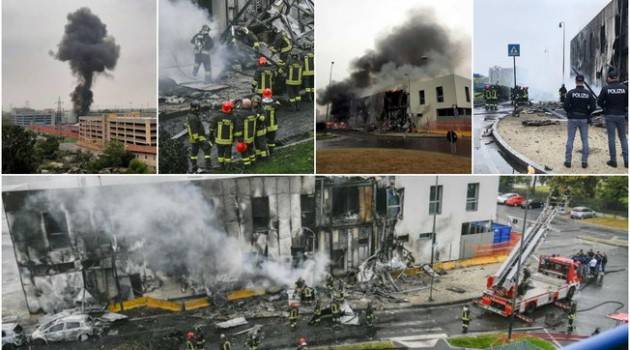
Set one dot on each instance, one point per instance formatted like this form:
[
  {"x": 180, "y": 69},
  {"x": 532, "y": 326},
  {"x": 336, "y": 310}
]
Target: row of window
[
  {"x": 439, "y": 93},
  {"x": 435, "y": 198}
]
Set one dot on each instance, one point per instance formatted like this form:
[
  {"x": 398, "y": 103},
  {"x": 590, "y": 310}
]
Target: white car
[
  {"x": 582, "y": 213},
  {"x": 66, "y": 328},
  {"x": 12, "y": 336},
  {"x": 505, "y": 196}
]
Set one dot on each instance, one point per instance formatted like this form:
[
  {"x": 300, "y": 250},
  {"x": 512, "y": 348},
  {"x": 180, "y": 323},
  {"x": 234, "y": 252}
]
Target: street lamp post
[
  {"x": 562, "y": 25},
  {"x": 435, "y": 210},
  {"x": 332, "y": 63}
]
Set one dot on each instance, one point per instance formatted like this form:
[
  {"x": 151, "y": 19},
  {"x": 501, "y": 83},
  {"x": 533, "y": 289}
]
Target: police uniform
[
  {"x": 614, "y": 101},
  {"x": 203, "y": 44},
  {"x": 578, "y": 104},
  {"x": 198, "y": 140},
  {"x": 294, "y": 82},
  {"x": 308, "y": 75}
]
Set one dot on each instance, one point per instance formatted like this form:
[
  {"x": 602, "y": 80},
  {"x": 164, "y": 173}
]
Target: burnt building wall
[{"x": 603, "y": 43}]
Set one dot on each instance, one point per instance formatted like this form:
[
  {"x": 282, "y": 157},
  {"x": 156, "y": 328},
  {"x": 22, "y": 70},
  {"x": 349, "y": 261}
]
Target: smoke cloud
[
  {"x": 89, "y": 51},
  {"x": 174, "y": 230},
  {"x": 419, "y": 47}
]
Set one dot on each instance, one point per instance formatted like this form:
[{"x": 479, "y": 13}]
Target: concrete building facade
[
  {"x": 26, "y": 116},
  {"x": 603, "y": 42},
  {"x": 436, "y": 98},
  {"x": 138, "y": 132}
]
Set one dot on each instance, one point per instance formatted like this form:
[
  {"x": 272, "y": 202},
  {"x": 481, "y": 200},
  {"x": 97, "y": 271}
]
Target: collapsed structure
[{"x": 207, "y": 237}]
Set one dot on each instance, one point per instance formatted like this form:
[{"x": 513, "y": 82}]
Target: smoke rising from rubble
[
  {"x": 420, "y": 47},
  {"x": 180, "y": 20},
  {"x": 175, "y": 230},
  {"x": 89, "y": 51}
]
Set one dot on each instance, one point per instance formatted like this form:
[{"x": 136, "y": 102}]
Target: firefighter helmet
[
  {"x": 262, "y": 60},
  {"x": 241, "y": 147},
  {"x": 267, "y": 93},
  {"x": 227, "y": 107},
  {"x": 205, "y": 28}
]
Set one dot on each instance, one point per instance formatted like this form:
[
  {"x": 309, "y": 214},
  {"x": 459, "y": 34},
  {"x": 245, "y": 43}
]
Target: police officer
[
  {"x": 294, "y": 312},
  {"x": 263, "y": 77},
  {"x": 271, "y": 121},
  {"x": 579, "y": 104},
  {"x": 224, "y": 343},
  {"x": 571, "y": 317},
  {"x": 203, "y": 43},
  {"x": 224, "y": 127},
  {"x": 308, "y": 74},
  {"x": 465, "y": 319},
  {"x": 563, "y": 93},
  {"x": 317, "y": 313},
  {"x": 294, "y": 81},
  {"x": 614, "y": 101},
  {"x": 197, "y": 136}
]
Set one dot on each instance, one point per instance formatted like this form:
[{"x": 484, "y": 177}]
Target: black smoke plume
[
  {"x": 90, "y": 51},
  {"x": 420, "y": 46}
]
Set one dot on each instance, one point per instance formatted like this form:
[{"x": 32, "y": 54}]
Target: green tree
[
  {"x": 48, "y": 148},
  {"x": 138, "y": 167},
  {"x": 613, "y": 192},
  {"x": 173, "y": 153},
  {"x": 574, "y": 186},
  {"x": 115, "y": 155},
  {"x": 18, "y": 150}
]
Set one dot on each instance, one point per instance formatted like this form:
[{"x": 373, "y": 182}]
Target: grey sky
[
  {"x": 533, "y": 24},
  {"x": 346, "y": 29},
  {"x": 31, "y": 28}
]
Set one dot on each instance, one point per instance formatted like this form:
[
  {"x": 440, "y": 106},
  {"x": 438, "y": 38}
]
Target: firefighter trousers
[
  {"x": 249, "y": 154},
  {"x": 203, "y": 59},
  {"x": 271, "y": 140},
  {"x": 194, "y": 152},
  {"x": 224, "y": 154},
  {"x": 294, "y": 93}
]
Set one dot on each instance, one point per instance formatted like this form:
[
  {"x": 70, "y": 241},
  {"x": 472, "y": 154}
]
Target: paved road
[{"x": 488, "y": 158}]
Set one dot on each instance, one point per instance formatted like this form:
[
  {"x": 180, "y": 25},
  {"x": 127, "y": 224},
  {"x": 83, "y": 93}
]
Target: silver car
[
  {"x": 12, "y": 336},
  {"x": 582, "y": 213},
  {"x": 66, "y": 328}
]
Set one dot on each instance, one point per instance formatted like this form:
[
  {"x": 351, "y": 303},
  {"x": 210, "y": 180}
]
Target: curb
[
  {"x": 515, "y": 156},
  {"x": 616, "y": 243}
]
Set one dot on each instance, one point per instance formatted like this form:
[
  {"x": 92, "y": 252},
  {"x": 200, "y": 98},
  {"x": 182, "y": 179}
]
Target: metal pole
[
  {"x": 530, "y": 191},
  {"x": 332, "y": 63},
  {"x": 563, "y": 48},
  {"x": 433, "y": 240},
  {"x": 514, "y": 92}
]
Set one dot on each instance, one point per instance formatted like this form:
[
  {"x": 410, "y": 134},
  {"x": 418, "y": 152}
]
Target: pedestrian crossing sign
[{"x": 514, "y": 50}]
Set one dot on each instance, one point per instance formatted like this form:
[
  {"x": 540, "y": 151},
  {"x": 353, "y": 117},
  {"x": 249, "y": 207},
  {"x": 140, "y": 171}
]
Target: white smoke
[
  {"x": 175, "y": 230},
  {"x": 180, "y": 20}
]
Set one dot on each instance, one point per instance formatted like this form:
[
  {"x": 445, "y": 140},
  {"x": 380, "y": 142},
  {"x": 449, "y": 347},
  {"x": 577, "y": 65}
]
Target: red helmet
[
  {"x": 227, "y": 107},
  {"x": 241, "y": 147},
  {"x": 302, "y": 341},
  {"x": 262, "y": 60},
  {"x": 190, "y": 335},
  {"x": 267, "y": 93}
]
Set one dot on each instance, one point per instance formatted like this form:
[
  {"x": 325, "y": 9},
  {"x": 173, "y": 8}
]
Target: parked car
[
  {"x": 505, "y": 196},
  {"x": 532, "y": 204},
  {"x": 66, "y": 328},
  {"x": 12, "y": 336},
  {"x": 582, "y": 213},
  {"x": 515, "y": 201}
]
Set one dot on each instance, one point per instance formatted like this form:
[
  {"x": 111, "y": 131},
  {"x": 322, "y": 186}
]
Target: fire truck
[{"x": 555, "y": 280}]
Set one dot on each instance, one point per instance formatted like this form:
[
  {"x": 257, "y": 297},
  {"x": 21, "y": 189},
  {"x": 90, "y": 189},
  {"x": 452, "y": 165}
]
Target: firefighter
[
  {"x": 571, "y": 317},
  {"x": 614, "y": 101},
  {"x": 263, "y": 77},
  {"x": 260, "y": 142},
  {"x": 281, "y": 44},
  {"x": 563, "y": 93},
  {"x": 203, "y": 43},
  {"x": 334, "y": 310},
  {"x": 308, "y": 74},
  {"x": 248, "y": 121},
  {"x": 308, "y": 294},
  {"x": 224, "y": 128},
  {"x": 253, "y": 340},
  {"x": 301, "y": 344},
  {"x": 493, "y": 96},
  {"x": 271, "y": 120},
  {"x": 197, "y": 136},
  {"x": 317, "y": 313},
  {"x": 294, "y": 312},
  {"x": 224, "y": 343},
  {"x": 294, "y": 81},
  {"x": 247, "y": 36},
  {"x": 369, "y": 315},
  {"x": 465, "y": 319},
  {"x": 199, "y": 340},
  {"x": 190, "y": 338},
  {"x": 487, "y": 96},
  {"x": 330, "y": 281}
]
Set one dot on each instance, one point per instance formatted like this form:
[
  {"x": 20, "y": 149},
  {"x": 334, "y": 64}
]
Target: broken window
[
  {"x": 425, "y": 235},
  {"x": 602, "y": 38},
  {"x": 56, "y": 230},
  {"x": 472, "y": 197},
  {"x": 381, "y": 201},
  {"x": 345, "y": 201},
  {"x": 307, "y": 203},
  {"x": 435, "y": 200},
  {"x": 403, "y": 238},
  {"x": 260, "y": 213},
  {"x": 467, "y": 92},
  {"x": 439, "y": 91},
  {"x": 421, "y": 95},
  {"x": 394, "y": 209},
  {"x": 474, "y": 227}
]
